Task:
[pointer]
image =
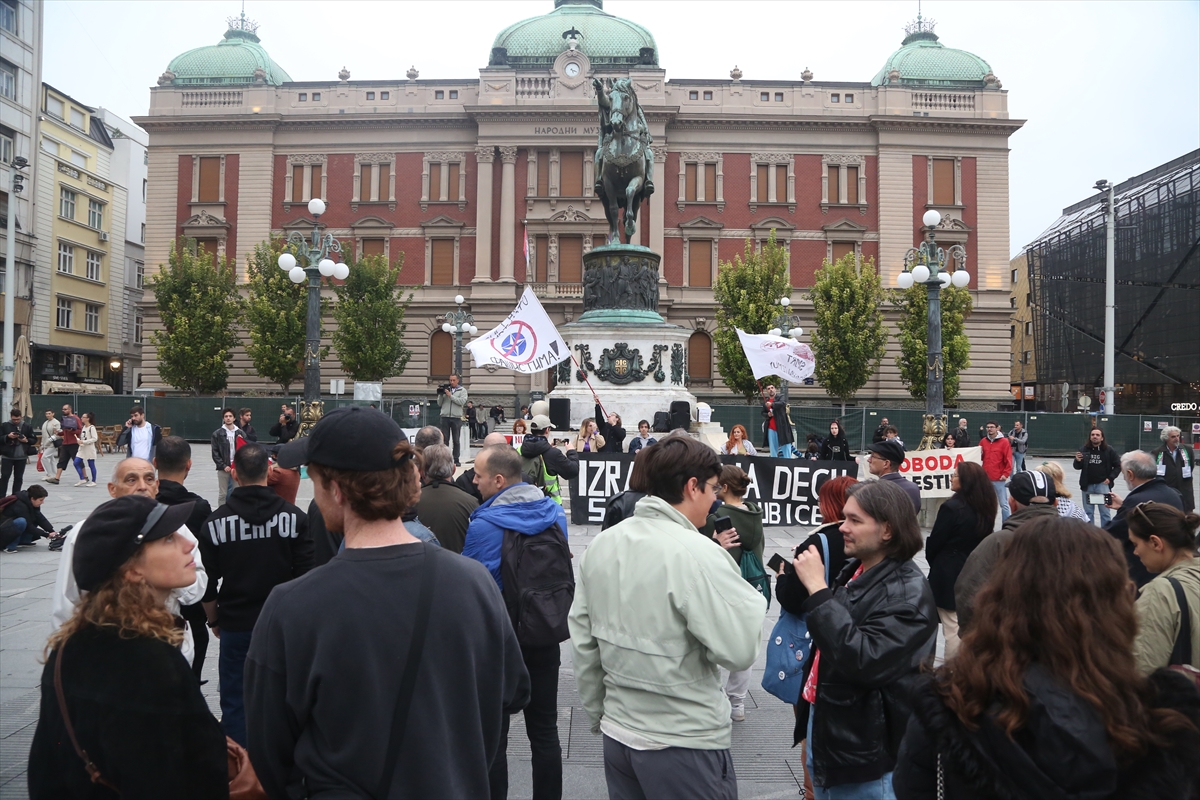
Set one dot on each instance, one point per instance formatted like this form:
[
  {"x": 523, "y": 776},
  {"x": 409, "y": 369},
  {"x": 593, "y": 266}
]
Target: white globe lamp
[
  {"x": 287, "y": 261},
  {"x": 297, "y": 275},
  {"x": 796, "y": 333},
  {"x": 474, "y": 330},
  {"x": 458, "y": 299},
  {"x": 775, "y": 332},
  {"x": 326, "y": 267},
  {"x": 944, "y": 277},
  {"x": 341, "y": 271},
  {"x": 961, "y": 278},
  {"x": 920, "y": 273},
  {"x": 905, "y": 280},
  {"x": 931, "y": 218},
  {"x": 785, "y": 302},
  {"x": 316, "y": 206},
  {"x": 447, "y": 327}
]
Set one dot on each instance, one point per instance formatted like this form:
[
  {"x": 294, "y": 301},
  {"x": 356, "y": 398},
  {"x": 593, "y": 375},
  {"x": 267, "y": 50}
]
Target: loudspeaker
[
  {"x": 681, "y": 414},
  {"x": 560, "y": 413}
]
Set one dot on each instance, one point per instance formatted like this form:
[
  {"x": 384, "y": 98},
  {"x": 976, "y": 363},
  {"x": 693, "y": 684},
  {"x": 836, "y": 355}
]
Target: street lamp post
[
  {"x": 787, "y": 325},
  {"x": 16, "y": 186},
  {"x": 317, "y": 265},
  {"x": 927, "y": 265},
  {"x": 459, "y": 322},
  {"x": 1110, "y": 295}
]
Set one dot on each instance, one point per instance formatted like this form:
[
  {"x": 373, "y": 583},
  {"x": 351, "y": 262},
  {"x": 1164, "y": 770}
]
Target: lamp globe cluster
[{"x": 920, "y": 273}]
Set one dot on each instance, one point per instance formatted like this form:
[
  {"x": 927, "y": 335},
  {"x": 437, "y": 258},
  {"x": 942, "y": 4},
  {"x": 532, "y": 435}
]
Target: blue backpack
[{"x": 788, "y": 647}]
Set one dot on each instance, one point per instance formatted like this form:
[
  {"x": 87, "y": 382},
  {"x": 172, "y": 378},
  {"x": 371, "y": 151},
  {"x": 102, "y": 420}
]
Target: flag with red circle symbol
[{"x": 526, "y": 341}]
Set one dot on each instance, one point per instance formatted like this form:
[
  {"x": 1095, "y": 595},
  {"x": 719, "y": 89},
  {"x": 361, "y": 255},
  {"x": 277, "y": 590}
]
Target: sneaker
[
  {"x": 738, "y": 714},
  {"x": 51, "y": 480},
  {"x": 90, "y": 483},
  {"x": 81, "y": 483}
]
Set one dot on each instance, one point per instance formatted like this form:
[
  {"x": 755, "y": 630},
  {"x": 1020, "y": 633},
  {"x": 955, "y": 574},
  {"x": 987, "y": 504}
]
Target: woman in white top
[
  {"x": 87, "y": 449},
  {"x": 1066, "y": 506},
  {"x": 738, "y": 444}
]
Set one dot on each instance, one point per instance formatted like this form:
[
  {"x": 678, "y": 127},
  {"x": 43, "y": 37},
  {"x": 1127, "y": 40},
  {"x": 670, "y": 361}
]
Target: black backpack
[
  {"x": 662, "y": 422},
  {"x": 539, "y": 585}
]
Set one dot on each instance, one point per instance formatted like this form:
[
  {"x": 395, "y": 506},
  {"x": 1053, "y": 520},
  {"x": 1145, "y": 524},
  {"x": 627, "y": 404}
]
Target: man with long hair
[{"x": 1098, "y": 465}]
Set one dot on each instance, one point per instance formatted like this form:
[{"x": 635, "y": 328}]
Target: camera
[{"x": 443, "y": 388}]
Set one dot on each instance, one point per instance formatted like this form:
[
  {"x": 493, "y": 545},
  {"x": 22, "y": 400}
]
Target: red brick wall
[
  {"x": 672, "y": 261},
  {"x": 807, "y": 257}
]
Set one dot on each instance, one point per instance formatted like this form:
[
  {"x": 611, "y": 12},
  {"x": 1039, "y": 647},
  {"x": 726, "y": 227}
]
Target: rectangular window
[
  {"x": 570, "y": 183},
  {"x": 79, "y": 159},
  {"x": 91, "y": 318},
  {"x": 764, "y": 97},
  {"x": 541, "y": 257},
  {"x": 385, "y": 95},
  {"x": 364, "y": 182},
  {"x": 66, "y": 258},
  {"x": 452, "y": 173},
  {"x": 700, "y": 262},
  {"x": 1027, "y": 356},
  {"x": 93, "y": 266},
  {"x": 442, "y": 267},
  {"x": 943, "y": 181},
  {"x": 454, "y": 94},
  {"x": 370, "y": 95},
  {"x": 1012, "y": 302},
  {"x": 66, "y": 203},
  {"x": 302, "y": 97},
  {"x": 145, "y": 184},
  {"x": 570, "y": 259},
  {"x": 779, "y": 97},
  {"x": 77, "y": 119},
  {"x": 689, "y": 180},
  {"x": 852, "y": 185},
  {"x": 65, "y": 310},
  {"x": 54, "y": 106},
  {"x": 710, "y": 183},
  {"x": 314, "y": 181},
  {"x": 1029, "y": 328},
  {"x": 693, "y": 95},
  {"x": 708, "y": 95},
  {"x": 543, "y": 173},
  {"x": 385, "y": 173},
  {"x": 1012, "y": 332},
  {"x": 835, "y": 98},
  {"x": 95, "y": 214},
  {"x": 435, "y": 181},
  {"x": 781, "y": 183},
  {"x": 1028, "y": 299},
  {"x": 842, "y": 249},
  {"x": 763, "y": 173},
  {"x": 139, "y": 326},
  {"x": 849, "y": 98},
  {"x": 50, "y": 146},
  {"x": 7, "y": 148},
  {"x": 373, "y": 247},
  {"x": 316, "y": 97},
  {"x": 1014, "y": 277},
  {"x": 439, "y": 95},
  {"x": 8, "y": 80},
  {"x": 297, "y": 183},
  {"x": 143, "y": 233},
  {"x": 210, "y": 179},
  {"x": 209, "y": 249},
  {"x": 8, "y": 17},
  {"x": 139, "y": 274},
  {"x": 835, "y": 187}
]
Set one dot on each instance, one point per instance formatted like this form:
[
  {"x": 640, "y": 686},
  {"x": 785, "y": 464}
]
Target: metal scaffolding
[{"x": 1157, "y": 285}]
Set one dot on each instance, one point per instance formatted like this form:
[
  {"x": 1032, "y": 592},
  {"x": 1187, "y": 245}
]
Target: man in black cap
[
  {"x": 884, "y": 460},
  {"x": 401, "y": 711}
]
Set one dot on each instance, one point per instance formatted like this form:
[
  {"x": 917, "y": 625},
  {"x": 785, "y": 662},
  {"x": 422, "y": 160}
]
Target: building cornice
[{"x": 1007, "y": 127}]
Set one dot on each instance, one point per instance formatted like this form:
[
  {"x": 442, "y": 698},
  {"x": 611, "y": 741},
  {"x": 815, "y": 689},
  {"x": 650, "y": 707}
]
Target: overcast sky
[{"x": 1109, "y": 89}]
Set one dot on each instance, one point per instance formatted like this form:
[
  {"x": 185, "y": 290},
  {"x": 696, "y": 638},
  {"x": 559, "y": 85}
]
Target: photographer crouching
[{"x": 452, "y": 399}]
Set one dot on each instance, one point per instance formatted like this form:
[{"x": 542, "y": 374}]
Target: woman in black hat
[{"x": 122, "y": 713}]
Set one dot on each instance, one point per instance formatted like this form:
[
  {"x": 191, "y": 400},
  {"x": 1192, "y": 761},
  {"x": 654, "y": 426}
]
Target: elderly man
[
  {"x": 444, "y": 507},
  {"x": 427, "y": 437},
  {"x": 130, "y": 476},
  {"x": 1141, "y": 473},
  {"x": 1174, "y": 466},
  {"x": 884, "y": 460}
]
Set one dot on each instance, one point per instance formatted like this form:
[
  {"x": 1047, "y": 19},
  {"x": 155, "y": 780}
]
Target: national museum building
[{"x": 457, "y": 174}]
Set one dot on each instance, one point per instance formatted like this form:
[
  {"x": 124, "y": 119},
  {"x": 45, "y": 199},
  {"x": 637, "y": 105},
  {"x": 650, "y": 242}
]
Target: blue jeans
[
  {"x": 1001, "y": 488},
  {"x": 1105, "y": 513},
  {"x": 778, "y": 450},
  {"x": 16, "y": 528},
  {"x": 231, "y": 668},
  {"x": 880, "y": 789},
  {"x": 1018, "y": 462}
]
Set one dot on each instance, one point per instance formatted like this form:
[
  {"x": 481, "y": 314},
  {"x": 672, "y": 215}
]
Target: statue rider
[{"x": 603, "y": 100}]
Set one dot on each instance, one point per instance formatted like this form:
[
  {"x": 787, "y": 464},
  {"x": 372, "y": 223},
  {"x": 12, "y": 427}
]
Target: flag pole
[{"x": 589, "y": 384}]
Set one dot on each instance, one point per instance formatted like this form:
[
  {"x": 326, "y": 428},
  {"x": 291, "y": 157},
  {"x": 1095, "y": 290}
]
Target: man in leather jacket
[{"x": 871, "y": 631}]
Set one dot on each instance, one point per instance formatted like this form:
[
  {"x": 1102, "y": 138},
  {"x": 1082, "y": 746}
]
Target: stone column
[
  {"x": 484, "y": 156},
  {"x": 508, "y": 212},
  {"x": 658, "y": 203}
]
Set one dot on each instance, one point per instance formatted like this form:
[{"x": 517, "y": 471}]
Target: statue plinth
[{"x": 620, "y": 285}]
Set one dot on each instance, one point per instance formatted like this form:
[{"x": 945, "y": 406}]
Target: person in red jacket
[{"x": 998, "y": 464}]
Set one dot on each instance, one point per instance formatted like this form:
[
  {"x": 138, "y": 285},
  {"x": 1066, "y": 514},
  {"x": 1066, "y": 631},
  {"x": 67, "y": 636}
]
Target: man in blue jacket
[{"x": 511, "y": 504}]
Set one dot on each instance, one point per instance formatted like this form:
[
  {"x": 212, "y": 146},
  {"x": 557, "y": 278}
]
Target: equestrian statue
[{"x": 624, "y": 160}]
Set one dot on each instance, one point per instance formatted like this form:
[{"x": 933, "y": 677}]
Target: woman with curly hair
[
  {"x": 122, "y": 713},
  {"x": 1044, "y": 698},
  {"x": 738, "y": 444}
]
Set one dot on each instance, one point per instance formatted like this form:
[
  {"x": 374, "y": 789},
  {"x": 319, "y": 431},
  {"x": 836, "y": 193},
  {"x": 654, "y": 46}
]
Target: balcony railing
[
  {"x": 212, "y": 99},
  {"x": 943, "y": 101},
  {"x": 558, "y": 290}
]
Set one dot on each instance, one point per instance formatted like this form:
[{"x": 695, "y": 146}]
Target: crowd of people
[{"x": 1064, "y": 670}]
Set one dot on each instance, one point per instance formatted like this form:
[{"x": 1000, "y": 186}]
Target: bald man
[{"x": 130, "y": 476}]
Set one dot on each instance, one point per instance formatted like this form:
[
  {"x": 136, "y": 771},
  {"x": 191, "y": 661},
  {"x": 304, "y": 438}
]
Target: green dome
[
  {"x": 231, "y": 61},
  {"x": 923, "y": 61},
  {"x": 604, "y": 39}
]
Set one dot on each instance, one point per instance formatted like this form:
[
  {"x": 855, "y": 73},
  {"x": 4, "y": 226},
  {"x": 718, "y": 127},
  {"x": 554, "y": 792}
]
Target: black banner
[{"x": 784, "y": 488}]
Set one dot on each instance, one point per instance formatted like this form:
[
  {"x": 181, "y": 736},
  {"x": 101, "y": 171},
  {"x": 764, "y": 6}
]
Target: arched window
[
  {"x": 441, "y": 355},
  {"x": 700, "y": 358}
]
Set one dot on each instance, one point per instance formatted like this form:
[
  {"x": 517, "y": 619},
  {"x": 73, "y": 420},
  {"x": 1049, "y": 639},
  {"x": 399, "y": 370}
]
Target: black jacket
[
  {"x": 1173, "y": 473},
  {"x": 783, "y": 426},
  {"x": 138, "y": 712},
  {"x": 836, "y": 449},
  {"x": 789, "y": 591},
  {"x": 955, "y": 534},
  {"x": 15, "y": 448},
  {"x": 256, "y": 541},
  {"x": 879, "y": 435},
  {"x": 286, "y": 432},
  {"x": 1061, "y": 752},
  {"x": 219, "y": 440},
  {"x": 557, "y": 463},
  {"x": 1099, "y": 465},
  {"x": 466, "y": 482},
  {"x": 251, "y": 434},
  {"x": 23, "y": 507},
  {"x": 619, "y": 507},
  {"x": 613, "y": 435},
  {"x": 326, "y": 543},
  {"x": 873, "y": 636},
  {"x": 174, "y": 494},
  {"x": 1155, "y": 490},
  {"x": 962, "y": 437}
]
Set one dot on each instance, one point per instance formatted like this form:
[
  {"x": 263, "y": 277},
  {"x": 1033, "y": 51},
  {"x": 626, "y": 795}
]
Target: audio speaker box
[
  {"x": 560, "y": 413},
  {"x": 681, "y": 414}
]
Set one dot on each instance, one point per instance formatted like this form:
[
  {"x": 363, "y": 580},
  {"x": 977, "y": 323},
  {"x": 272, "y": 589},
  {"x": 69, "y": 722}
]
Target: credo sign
[{"x": 1183, "y": 406}]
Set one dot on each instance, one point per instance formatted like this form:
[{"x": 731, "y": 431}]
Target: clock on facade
[{"x": 572, "y": 69}]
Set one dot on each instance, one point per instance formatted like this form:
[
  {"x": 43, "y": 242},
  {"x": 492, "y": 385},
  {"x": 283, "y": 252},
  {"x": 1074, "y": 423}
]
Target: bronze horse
[{"x": 624, "y": 160}]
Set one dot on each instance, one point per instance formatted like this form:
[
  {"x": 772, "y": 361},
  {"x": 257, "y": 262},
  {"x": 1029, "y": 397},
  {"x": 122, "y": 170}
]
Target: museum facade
[{"x": 485, "y": 183}]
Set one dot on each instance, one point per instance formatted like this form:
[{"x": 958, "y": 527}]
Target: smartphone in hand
[
  {"x": 776, "y": 563},
  {"x": 723, "y": 524}
]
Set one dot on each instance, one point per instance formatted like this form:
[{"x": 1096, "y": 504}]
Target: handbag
[
  {"x": 755, "y": 574},
  {"x": 787, "y": 648},
  {"x": 243, "y": 782},
  {"x": 40, "y": 468}
]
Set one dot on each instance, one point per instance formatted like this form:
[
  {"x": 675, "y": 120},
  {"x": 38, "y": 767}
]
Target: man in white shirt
[
  {"x": 142, "y": 437},
  {"x": 131, "y": 476},
  {"x": 224, "y": 448},
  {"x": 50, "y": 430}
]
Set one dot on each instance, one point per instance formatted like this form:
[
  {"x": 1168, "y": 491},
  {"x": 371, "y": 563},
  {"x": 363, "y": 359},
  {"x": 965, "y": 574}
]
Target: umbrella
[{"x": 22, "y": 379}]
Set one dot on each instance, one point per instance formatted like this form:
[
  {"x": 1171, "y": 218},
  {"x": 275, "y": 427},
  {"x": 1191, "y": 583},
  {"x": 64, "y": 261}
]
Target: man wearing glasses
[
  {"x": 657, "y": 608},
  {"x": 1141, "y": 473},
  {"x": 884, "y": 460}
]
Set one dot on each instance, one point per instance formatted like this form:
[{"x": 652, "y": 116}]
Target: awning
[
  {"x": 60, "y": 387},
  {"x": 95, "y": 388}
]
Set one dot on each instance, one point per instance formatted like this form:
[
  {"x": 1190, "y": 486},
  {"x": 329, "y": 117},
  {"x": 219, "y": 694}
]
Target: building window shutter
[
  {"x": 710, "y": 183},
  {"x": 385, "y": 173},
  {"x": 542, "y": 247},
  {"x": 571, "y": 184},
  {"x": 842, "y": 249},
  {"x": 315, "y": 182},
  {"x": 208, "y": 247},
  {"x": 835, "y": 192},
  {"x": 543, "y": 173},
  {"x": 441, "y": 355},
  {"x": 689, "y": 173},
  {"x": 435, "y": 181},
  {"x": 781, "y": 183},
  {"x": 943, "y": 181},
  {"x": 364, "y": 183},
  {"x": 210, "y": 179},
  {"x": 570, "y": 259},
  {"x": 763, "y": 183},
  {"x": 442, "y": 268},
  {"x": 453, "y": 190},
  {"x": 297, "y": 184},
  {"x": 700, "y": 262},
  {"x": 852, "y": 185},
  {"x": 372, "y": 247},
  {"x": 700, "y": 357}
]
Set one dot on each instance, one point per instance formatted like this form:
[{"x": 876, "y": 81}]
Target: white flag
[
  {"x": 526, "y": 341},
  {"x": 775, "y": 355}
]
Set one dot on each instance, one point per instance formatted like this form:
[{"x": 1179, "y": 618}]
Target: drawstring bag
[
  {"x": 755, "y": 574},
  {"x": 788, "y": 647}
]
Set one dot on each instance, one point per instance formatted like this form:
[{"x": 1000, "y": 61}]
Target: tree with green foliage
[
  {"x": 912, "y": 334},
  {"x": 199, "y": 304},
  {"x": 369, "y": 313},
  {"x": 848, "y": 338},
  {"x": 747, "y": 294},
  {"x": 276, "y": 317}
]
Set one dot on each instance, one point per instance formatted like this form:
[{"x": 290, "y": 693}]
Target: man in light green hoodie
[{"x": 657, "y": 610}]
